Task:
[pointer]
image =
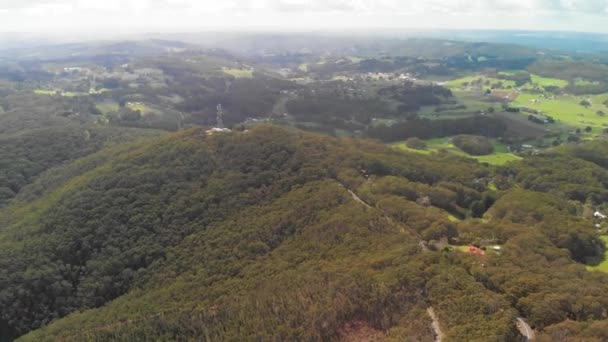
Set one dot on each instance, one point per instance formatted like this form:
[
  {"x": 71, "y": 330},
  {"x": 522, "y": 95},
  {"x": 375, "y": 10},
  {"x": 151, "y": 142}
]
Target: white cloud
[
  {"x": 302, "y": 14},
  {"x": 316, "y": 5}
]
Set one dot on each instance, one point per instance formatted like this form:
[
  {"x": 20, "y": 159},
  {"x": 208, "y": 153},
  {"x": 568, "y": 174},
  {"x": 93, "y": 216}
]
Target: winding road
[
  {"x": 435, "y": 325},
  {"x": 525, "y": 329}
]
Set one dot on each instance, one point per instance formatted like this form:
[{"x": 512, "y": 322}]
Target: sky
[{"x": 137, "y": 16}]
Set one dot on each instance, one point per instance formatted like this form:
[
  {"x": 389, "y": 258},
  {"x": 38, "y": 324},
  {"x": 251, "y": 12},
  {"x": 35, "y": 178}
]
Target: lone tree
[
  {"x": 585, "y": 103},
  {"x": 588, "y": 129}
]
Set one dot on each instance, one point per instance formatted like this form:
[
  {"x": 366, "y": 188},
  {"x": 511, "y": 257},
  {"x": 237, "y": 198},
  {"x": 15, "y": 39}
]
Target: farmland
[
  {"x": 480, "y": 80},
  {"x": 468, "y": 103},
  {"x": 487, "y": 81},
  {"x": 548, "y": 82},
  {"x": 567, "y": 109}
]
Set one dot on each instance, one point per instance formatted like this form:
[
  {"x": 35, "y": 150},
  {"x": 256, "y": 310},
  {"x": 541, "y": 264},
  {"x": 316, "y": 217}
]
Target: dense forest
[
  {"x": 426, "y": 129},
  {"x": 272, "y": 233},
  {"x": 133, "y": 207}
]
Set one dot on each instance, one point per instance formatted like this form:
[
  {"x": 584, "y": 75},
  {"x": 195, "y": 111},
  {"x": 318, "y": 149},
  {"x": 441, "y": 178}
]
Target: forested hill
[{"x": 275, "y": 234}]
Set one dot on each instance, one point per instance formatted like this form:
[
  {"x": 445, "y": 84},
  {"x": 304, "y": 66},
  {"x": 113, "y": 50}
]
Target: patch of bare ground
[{"x": 360, "y": 331}]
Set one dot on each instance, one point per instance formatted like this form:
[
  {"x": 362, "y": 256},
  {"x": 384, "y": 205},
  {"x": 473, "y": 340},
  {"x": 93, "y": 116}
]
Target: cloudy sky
[{"x": 129, "y": 16}]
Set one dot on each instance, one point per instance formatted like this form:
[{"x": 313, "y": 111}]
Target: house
[
  {"x": 477, "y": 251},
  {"x": 217, "y": 130},
  {"x": 73, "y": 69}
]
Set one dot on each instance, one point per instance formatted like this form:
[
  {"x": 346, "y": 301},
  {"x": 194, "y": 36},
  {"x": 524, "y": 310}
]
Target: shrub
[{"x": 416, "y": 143}]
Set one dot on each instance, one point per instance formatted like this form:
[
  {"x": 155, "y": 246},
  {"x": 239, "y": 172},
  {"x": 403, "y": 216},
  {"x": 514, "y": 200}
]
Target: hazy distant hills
[{"x": 564, "y": 41}]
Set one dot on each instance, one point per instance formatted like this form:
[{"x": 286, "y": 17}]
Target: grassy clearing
[
  {"x": 548, "y": 82},
  {"x": 583, "y": 83},
  {"x": 341, "y": 78},
  {"x": 458, "y": 83},
  {"x": 472, "y": 101},
  {"x": 138, "y": 106},
  {"x": 238, "y": 73},
  {"x": 603, "y": 266},
  {"x": 402, "y": 146},
  {"x": 45, "y": 92},
  {"x": 497, "y": 158},
  {"x": 453, "y": 218},
  {"x": 98, "y": 91},
  {"x": 61, "y": 93},
  {"x": 72, "y": 94},
  {"x": 107, "y": 106},
  {"x": 537, "y": 81},
  {"x": 500, "y": 156},
  {"x": 464, "y": 249}
]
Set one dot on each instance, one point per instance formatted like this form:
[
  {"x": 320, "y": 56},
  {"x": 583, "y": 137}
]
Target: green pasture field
[
  {"x": 565, "y": 109},
  {"x": 500, "y": 156},
  {"x": 73, "y": 94},
  {"x": 497, "y": 158},
  {"x": 473, "y": 102},
  {"x": 568, "y": 110},
  {"x": 45, "y": 92},
  {"x": 582, "y": 83},
  {"x": 536, "y": 81},
  {"x": 62, "y": 93},
  {"x": 546, "y": 81},
  {"x": 458, "y": 83}
]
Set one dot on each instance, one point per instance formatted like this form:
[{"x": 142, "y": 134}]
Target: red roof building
[{"x": 475, "y": 250}]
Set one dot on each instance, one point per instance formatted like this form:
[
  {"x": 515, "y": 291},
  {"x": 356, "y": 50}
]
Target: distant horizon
[{"x": 345, "y": 32}]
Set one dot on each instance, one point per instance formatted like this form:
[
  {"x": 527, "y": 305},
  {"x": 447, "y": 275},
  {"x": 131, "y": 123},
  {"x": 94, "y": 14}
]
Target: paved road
[{"x": 524, "y": 329}]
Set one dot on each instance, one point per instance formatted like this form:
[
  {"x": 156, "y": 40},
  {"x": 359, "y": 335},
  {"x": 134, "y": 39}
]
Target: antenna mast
[{"x": 220, "y": 116}]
